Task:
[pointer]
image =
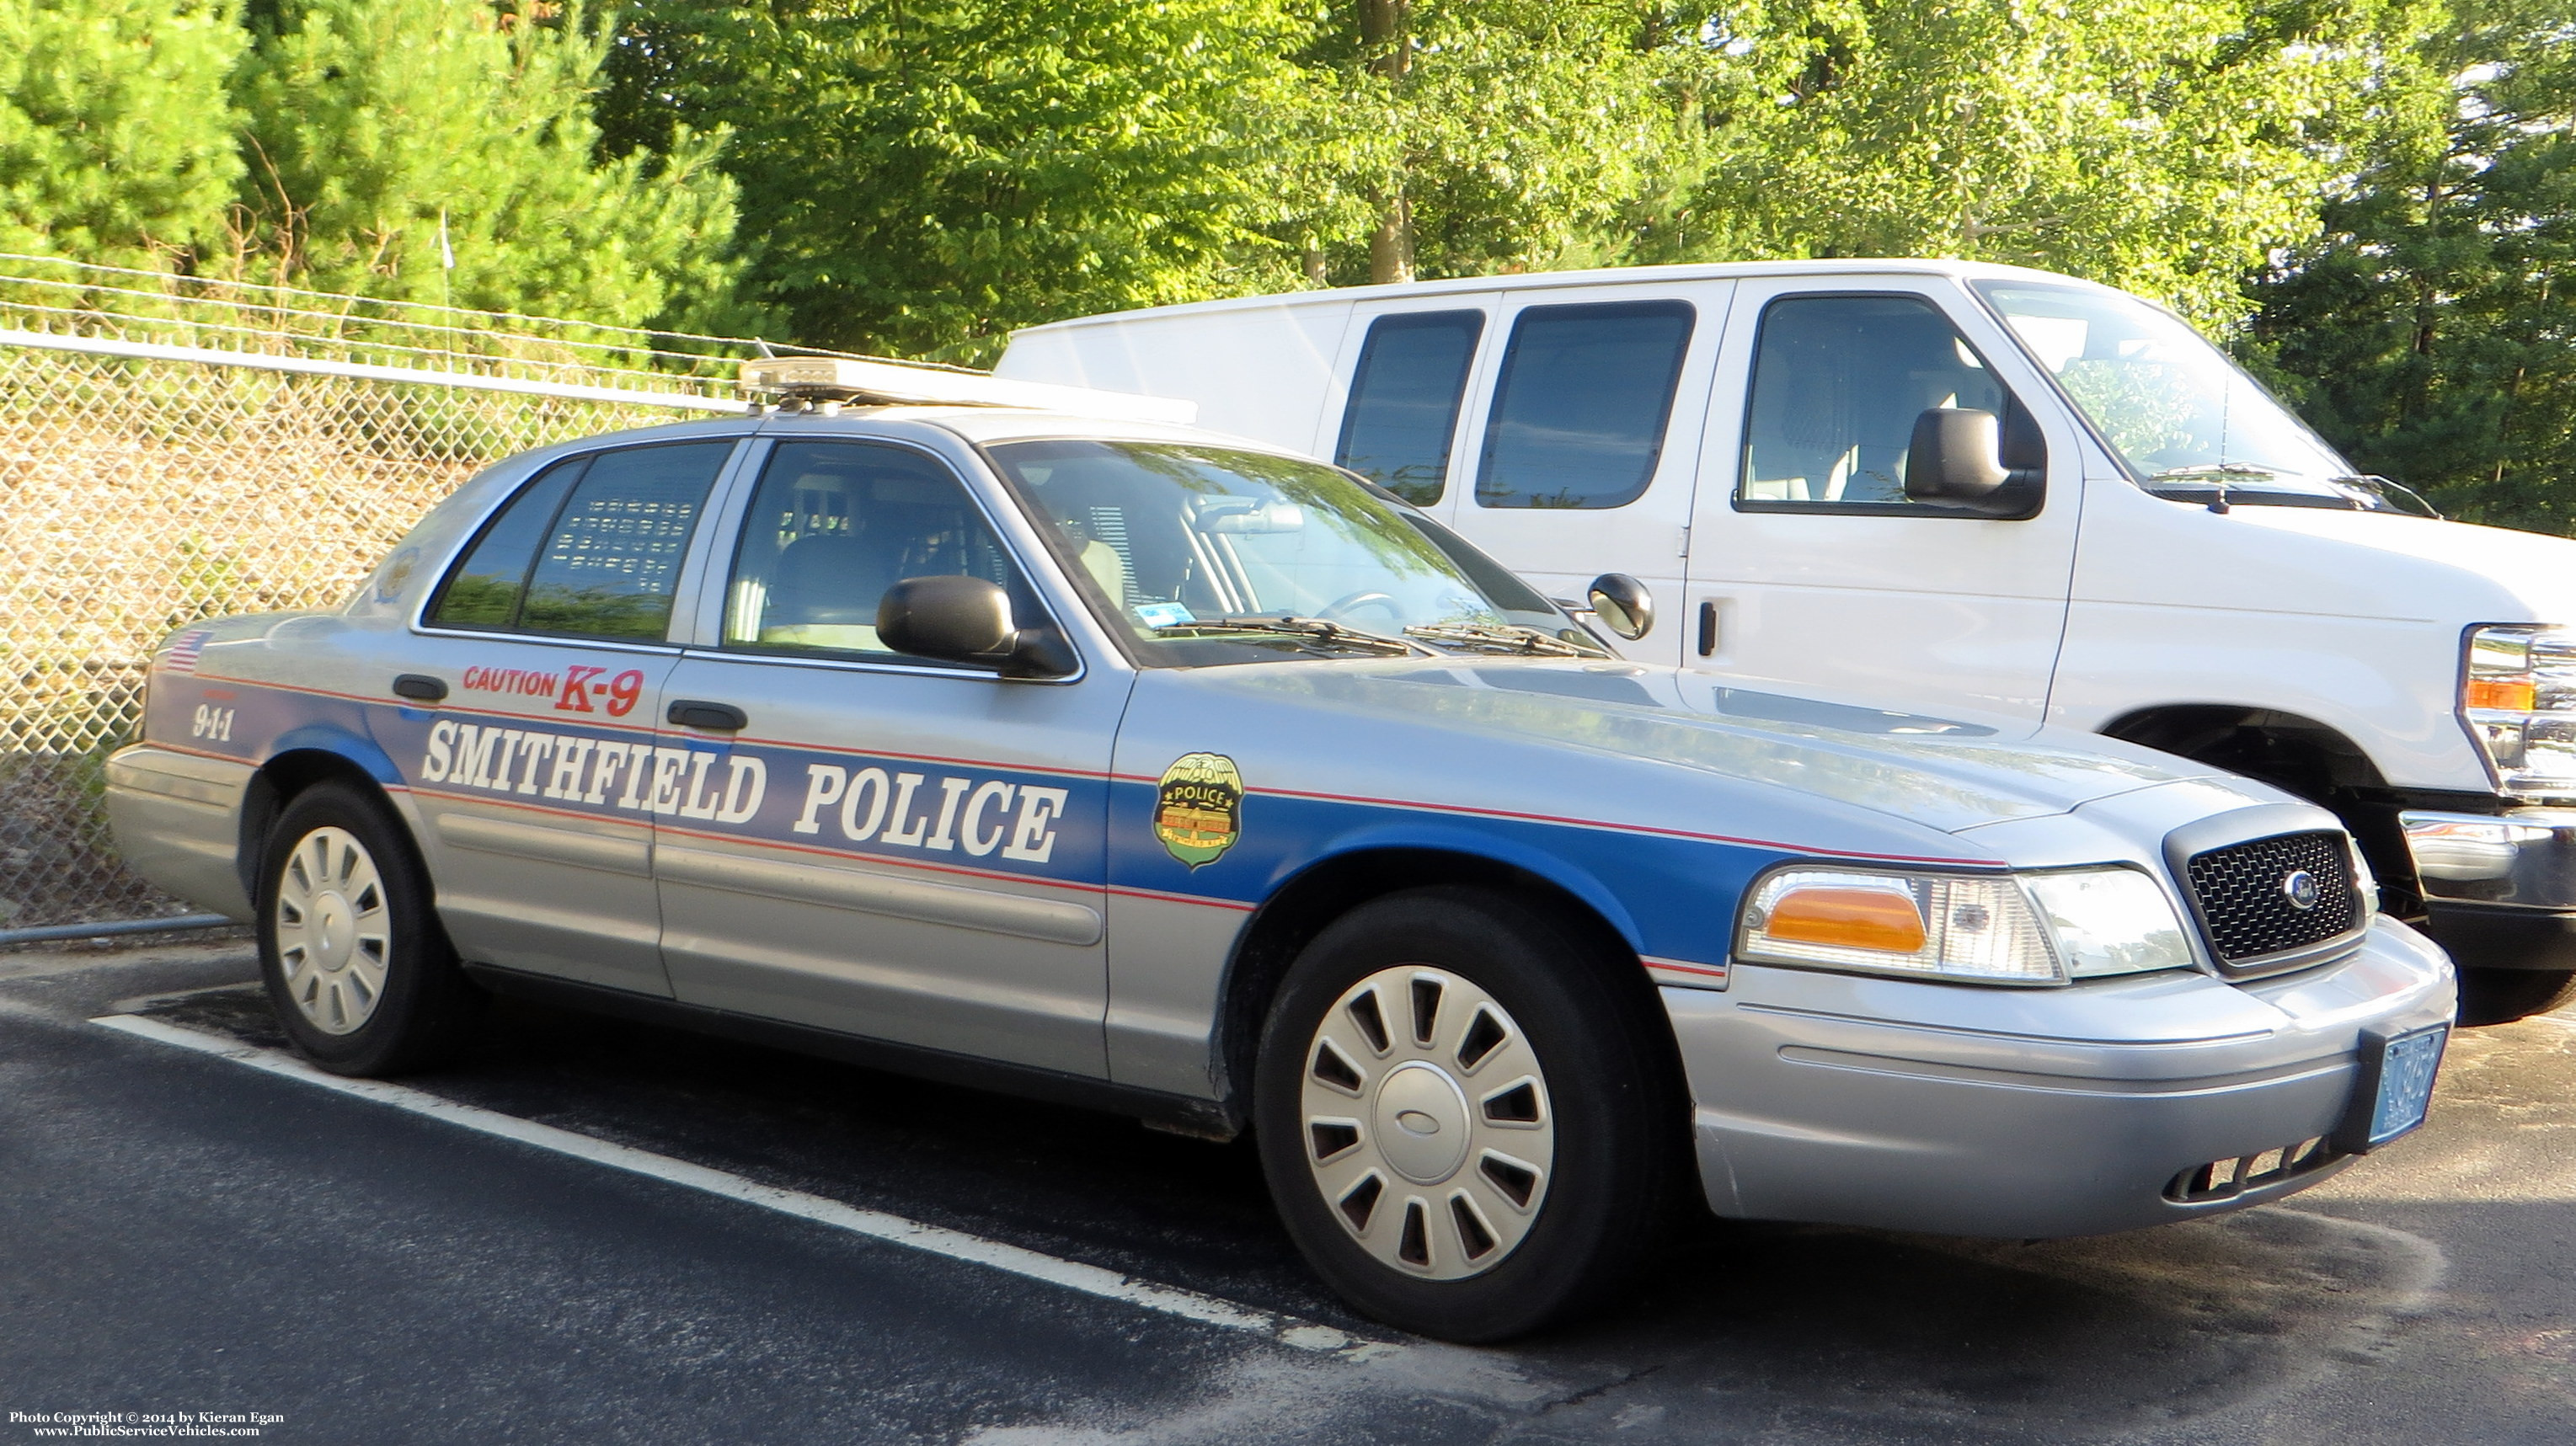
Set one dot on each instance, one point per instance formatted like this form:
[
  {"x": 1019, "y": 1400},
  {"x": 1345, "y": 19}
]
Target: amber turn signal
[
  {"x": 1851, "y": 918},
  {"x": 2512, "y": 695}
]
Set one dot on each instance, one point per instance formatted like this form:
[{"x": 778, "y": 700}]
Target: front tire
[
  {"x": 357, "y": 967},
  {"x": 2501, "y": 996},
  {"x": 1468, "y": 1120}
]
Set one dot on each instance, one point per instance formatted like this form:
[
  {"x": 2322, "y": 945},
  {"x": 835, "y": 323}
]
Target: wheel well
[
  {"x": 275, "y": 785},
  {"x": 1308, "y": 903},
  {"x": 2298, "y": 755}
]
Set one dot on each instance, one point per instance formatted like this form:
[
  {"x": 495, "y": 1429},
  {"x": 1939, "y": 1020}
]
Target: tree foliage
[
  {"x": 386, "y": 137},
  {"x": 922, "y": 175},
  {"x": 117, "y": 134},
  {"x": 2165, "y": 146},
  {"x": 2430, "y": 330},
  {"x": 1458, "y": 137},
  {"x": 2391, "y": 182}
]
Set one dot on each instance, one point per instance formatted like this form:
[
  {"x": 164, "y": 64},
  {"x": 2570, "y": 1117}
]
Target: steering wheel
[{"x": 1331, "y": 612}]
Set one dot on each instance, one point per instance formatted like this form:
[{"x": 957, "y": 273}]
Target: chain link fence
[{"x": 156, "y": 468}]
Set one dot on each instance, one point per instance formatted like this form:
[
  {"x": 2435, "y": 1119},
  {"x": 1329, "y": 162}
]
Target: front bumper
[
  {"x": 2500, "y": 889},
  {"x": 1957, "y": 1110}
]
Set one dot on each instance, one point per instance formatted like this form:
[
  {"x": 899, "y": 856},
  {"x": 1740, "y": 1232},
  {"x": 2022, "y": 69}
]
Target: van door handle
[
  {"x": 1708, "y": 627},
  {"x": 419, "y": 687},
  {"x": 714, "y": 717}
]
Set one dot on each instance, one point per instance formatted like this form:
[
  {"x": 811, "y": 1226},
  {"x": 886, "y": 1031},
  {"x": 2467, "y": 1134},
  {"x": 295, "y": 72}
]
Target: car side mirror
[
  {"x": 1957, "y": 460},
  {"x": 959, "y": 619},
  {"x": 1623, "y": 605}
]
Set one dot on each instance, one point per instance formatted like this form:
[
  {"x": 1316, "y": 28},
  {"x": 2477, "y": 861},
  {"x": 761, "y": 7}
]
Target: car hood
[
  {"x": 1950, "y": 772},
  {"x": 2462, "y": 572}
]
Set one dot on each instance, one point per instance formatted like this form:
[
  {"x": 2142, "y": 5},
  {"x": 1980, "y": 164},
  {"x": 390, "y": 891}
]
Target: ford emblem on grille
[{"x": 2300, "y": 888}]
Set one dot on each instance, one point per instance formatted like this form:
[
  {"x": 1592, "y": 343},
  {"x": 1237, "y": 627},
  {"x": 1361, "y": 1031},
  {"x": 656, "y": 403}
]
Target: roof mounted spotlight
[{"x": 823, "y": 382}]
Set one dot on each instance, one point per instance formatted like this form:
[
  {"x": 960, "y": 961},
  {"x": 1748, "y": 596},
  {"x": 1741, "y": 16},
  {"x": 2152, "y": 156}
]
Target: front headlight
[
  {"x": 2040, "y": 928},
  {"x": 2518, "y": 696}
]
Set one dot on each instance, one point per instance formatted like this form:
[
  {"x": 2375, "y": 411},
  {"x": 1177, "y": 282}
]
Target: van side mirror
[
  {"x": 1957, "y": 460},
  {"x": 1623, "y": 605},
  {"x": 959, "y": 619}
]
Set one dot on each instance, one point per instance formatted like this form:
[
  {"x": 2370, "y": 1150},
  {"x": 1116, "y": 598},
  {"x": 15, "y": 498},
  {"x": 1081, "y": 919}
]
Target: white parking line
[{"x": 874, "y": 1224}]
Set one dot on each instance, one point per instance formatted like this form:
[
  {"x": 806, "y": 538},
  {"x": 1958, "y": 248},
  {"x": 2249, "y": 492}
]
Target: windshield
[
  {"x": 2180, "y": 414},
  {"x": 1207, "y": 555}
]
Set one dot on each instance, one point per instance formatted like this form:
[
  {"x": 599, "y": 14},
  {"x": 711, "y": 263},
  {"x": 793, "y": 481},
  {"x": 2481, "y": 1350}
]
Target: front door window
[
  {"x": 832, "y": 527},
  {"x": 1838, "y": 382}
]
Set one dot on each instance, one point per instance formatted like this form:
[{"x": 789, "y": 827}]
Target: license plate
[{"x": 2407, "y": 1064}]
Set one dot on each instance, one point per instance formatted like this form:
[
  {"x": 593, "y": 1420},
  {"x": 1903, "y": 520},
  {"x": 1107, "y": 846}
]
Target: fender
[
  {"x": 332, "y": 738},
  {"x": 1443, "y": 837}
]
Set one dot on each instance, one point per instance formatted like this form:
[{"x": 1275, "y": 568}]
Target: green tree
[
  {"x": 2166, "y": 146},
  {"x": 117, "y": 139},
  {"x": 923, "y": 176},
  {"x": 1460, "y": 137},
  {"x": 385, "y": 136},
  {"x": 2431, "y": 331}
]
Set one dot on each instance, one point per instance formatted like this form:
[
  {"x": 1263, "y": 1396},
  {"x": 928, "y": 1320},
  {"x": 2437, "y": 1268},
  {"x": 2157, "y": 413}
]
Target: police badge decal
[{"x": 1198, "y": 808}]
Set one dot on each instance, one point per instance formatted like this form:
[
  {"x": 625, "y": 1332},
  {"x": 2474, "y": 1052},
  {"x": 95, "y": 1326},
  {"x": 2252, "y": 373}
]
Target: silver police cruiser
[{"x": 1116, "y": 762}]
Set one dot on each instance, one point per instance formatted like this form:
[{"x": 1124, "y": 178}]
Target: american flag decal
[{"x": 184, "y": 650}]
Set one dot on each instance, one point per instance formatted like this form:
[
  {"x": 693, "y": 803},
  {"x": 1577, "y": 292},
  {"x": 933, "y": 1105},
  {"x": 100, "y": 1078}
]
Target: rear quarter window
[{"x": 1405, "y": 392}]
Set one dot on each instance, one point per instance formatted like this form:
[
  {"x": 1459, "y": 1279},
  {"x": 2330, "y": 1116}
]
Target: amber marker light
[
  {"x": 2514, "y": 695},
  {"x": 1880, "y": 919}
]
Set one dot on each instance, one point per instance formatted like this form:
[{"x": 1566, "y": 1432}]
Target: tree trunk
[
  {"x": 1384, "y": 37},
  {"x": 1391, "y": 244}
]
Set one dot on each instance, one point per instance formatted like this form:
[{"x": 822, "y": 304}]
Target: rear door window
[
  {"x": 1403, "y": 409},
  {"x": 1581, "y": 404},
  {"x": 591, "y": 549}
]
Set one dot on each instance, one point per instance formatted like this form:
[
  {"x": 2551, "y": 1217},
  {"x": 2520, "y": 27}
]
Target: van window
[
  {"x": 1581, "y": 402},
  {"x": 590, "y": 549},
  {"x": 1404, "y": 401},
  {"x": 1837, "y": 384},
  {"x": 834, "y": 525}
]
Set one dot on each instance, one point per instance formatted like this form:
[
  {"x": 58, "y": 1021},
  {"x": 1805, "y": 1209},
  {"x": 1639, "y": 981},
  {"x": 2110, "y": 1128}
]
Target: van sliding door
[{"x": 1587, "y": 436}]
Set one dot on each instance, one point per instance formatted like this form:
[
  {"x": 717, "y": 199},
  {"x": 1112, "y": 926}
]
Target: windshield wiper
[
  {"x": 2216, "y": 475},
  {"x": 2397, "y": 496},
  {"x": 1291, "y": 626},
  {"x": 2212, "y": 471},
  {"x": 2352, "y": 493},
  {"x": 1502, "y": 638}
]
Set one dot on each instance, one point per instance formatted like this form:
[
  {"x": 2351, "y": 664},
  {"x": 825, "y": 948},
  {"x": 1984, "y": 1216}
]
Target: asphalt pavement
[{"x": 598, "y": 1231}]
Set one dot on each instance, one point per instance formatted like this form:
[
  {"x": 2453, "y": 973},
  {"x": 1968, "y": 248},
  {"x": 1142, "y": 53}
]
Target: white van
[{"x": 1942, "y": 483}]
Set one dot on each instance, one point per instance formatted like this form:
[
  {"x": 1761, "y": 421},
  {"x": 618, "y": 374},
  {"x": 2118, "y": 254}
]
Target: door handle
[
  {"x": 1708, "y": 627},
  {"x": 419, "y": 687},
  {"x": 714, "y": 717}
]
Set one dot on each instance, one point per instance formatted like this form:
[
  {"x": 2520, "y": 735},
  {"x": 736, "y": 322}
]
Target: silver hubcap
[
  {"x": 1428, "y": 1126},
  {"x": 333, "y": 930}
]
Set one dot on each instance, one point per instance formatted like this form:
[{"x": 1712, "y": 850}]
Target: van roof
[{"x": 1605, "y": 276}]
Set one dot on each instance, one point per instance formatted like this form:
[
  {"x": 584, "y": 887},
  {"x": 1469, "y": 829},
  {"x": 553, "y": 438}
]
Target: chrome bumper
[
  {"x": 2500, "y": 888},
  {"x": 2523, "y": 858},
  {"x": 2035, "y": 1113}
]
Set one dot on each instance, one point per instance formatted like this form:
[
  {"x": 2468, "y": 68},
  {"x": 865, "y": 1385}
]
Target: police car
[{"x": 1096, "y": 758}]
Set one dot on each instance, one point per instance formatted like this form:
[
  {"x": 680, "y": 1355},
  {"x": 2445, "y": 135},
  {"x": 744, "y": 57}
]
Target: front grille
[{"x": 2245, "y": 899}]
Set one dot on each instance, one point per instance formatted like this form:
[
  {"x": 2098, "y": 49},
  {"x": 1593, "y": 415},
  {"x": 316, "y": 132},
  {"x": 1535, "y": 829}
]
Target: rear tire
[
  {"x": 361, "y": 974},
  {"x": 1470, "y": 1123},
  {"x": 2501, "y": 996}
]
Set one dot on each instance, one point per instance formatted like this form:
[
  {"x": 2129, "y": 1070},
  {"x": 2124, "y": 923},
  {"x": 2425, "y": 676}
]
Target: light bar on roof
[{"x": 849, "y": 379}]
